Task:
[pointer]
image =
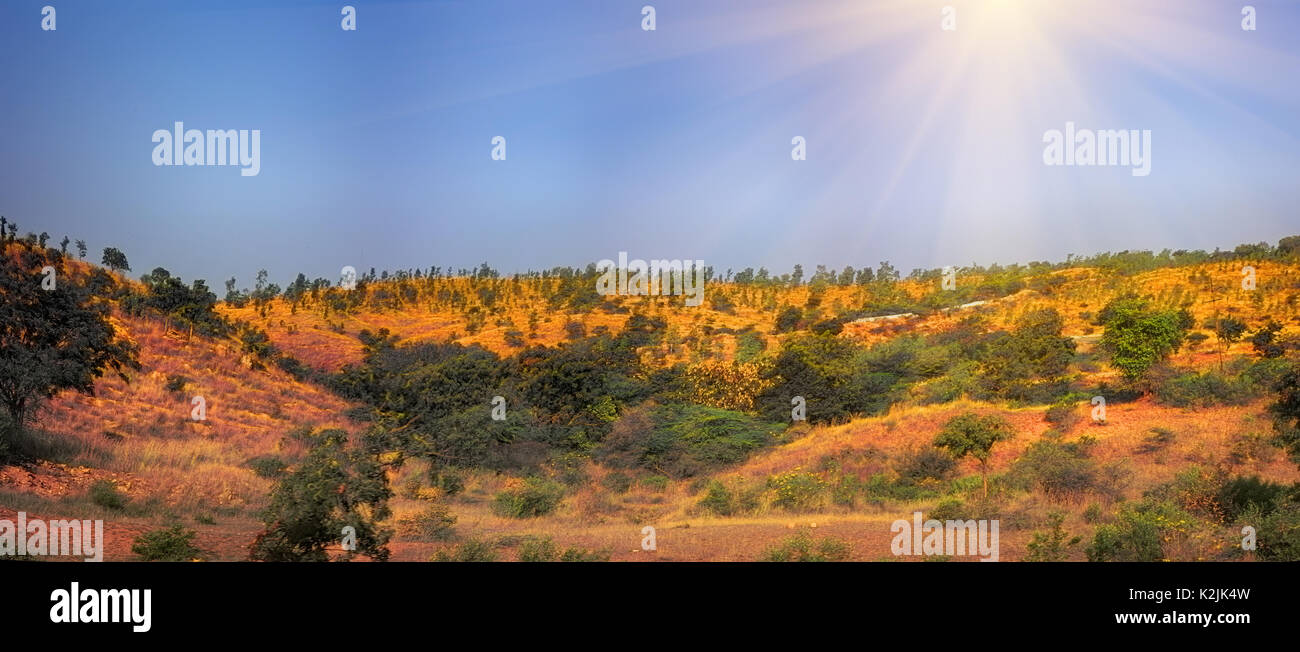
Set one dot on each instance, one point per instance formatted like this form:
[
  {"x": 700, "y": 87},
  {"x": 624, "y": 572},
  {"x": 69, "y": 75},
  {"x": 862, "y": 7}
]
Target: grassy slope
[{"x": 171, "y": 466}]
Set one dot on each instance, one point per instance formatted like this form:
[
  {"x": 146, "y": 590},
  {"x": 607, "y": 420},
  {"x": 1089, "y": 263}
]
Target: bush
[
  {"x": 433, "y": 523},
  {"x": 618, "y": 483},
  {"x": 1241, "y": 494},
  {"x": 802, "y": 547},
  {"x": 1052, "y": 545},
  {"x": 797, "y": 491},
  {"x": 543, "y": 550},
  {"x": 655, "y": 483},
  {"x": 449, "y": 481},
  {"x": 718, "y": 500},
  {"x": 1063, "y": 414},
  {"x": 1203, "y": 390},
  {"x": 1137, "y": 533},
  {"x": 176, "y": 384},
  {"x": 1278, "y": 533},
  {"x": 949, "y": 509},
  {"x": 168, "y": 544},
  {"x": 684, "y": 440},
  {"x": 928, "y": 463},
  {"x": 472, "y": 550},
  {"x": 1058, "y": 470},
  {"x": 537, "y": 497},
  {"x": 268, "y": 466},
  {"x": 105, "y": 494}
]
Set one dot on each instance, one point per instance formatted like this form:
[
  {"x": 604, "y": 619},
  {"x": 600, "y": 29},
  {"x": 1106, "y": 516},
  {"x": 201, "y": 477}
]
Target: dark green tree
[
  {"x": 115, "y": 260},
  {"x": 52, "y": 340},
  {"x": 1138, "y": 337},
  {"x": 337, "y": 486}
]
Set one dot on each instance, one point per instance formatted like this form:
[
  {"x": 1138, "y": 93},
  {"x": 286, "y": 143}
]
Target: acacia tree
[
  {"x": 55, "y": 339},
  {"x": 974, "y": 435}
]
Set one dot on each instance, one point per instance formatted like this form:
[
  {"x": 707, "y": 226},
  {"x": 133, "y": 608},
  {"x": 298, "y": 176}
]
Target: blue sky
[{"x": 924, "y": 146}]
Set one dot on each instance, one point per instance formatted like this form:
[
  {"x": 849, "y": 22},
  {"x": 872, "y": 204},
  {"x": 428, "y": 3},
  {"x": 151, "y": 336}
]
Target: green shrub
[
  {"x": 535, "y": 550},
  {"x": 1278, "y": 533},
  {"x": 570, "y": 468},
  {"x": 472, "y": 550},
  {"x": 174, "y": 543},
  {"x": 1058, "y": 470},
  {"x": 684, "y": 440},
  {"x": 1241, "y": 494},
  {"x": 655, "y": 483},
  {"x": 449, "y": 481},
  {"x": 797, "y": 491},
  {"x": 1052, "y": 545},
  {"x": 845, "y": 491},
  {"x": 1063, "y": 414},
  {"x": 268, "y": 466},
  {"x": 1092, "y": 513},
  {"x": 537, "y": 497},
  {"x": 105, "y": 494},
  {"x": 1138, "y": 532},
  {"x": 433, "y": 523},
  {"x": 802, "y": 547},
  {"x": 718, "y": 500},
  {"x": 618, "y": 483},
  {"x": 580, "y": 555},
  {"x": 1203, "y": 390},
  {"x": 926, "y": 463},
  {"x": 949, "y": 509}
]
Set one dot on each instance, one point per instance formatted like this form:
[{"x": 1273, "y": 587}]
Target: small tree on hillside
[
  {"x": 335, "y": 487},
  {"x": 115, "y": 260},
  {"x": 974, "y": 435},
  {"x": 1137, "y": 338},
  {"x": 1228, "y": 330}
]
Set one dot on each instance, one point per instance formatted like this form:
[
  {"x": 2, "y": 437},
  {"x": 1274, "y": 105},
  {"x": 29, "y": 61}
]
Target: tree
[
  {"x": 1286, "y": 412},
  {"x": 788, "y": 320},
  {"x": 1228, "y": 330},
  {"x": 52, "y": 340},
  {"x": 115, "y": 260},
  {"x": 1266, "y": 341},
  {"x": 974, "y": 435},
  {"x": 335, "y": 487},
  {"x": 63, "y": 245},
  {"x": 1136, "y": 337},
  {"x": 81, "y": 249},
  {"x": 1289, "y": 246},
  {"x": 1032, "y": 354}
]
